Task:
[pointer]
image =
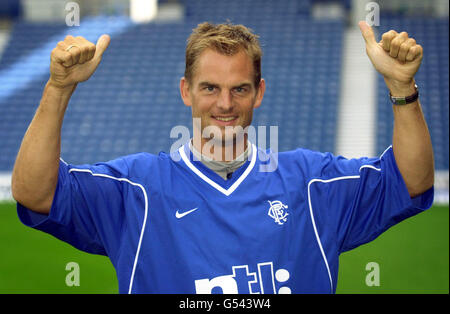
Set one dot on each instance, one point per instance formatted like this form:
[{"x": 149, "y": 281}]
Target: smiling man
[
  {"x": 222, "y": 85},
  {"x": 193, "y": 222}
]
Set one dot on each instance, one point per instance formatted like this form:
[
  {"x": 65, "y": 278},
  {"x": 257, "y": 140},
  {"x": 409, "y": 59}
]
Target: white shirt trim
[
  {"x": 145, "y": 214},
  {"x": 231, "y": 189},
  {"x": 319, "y": 242}
]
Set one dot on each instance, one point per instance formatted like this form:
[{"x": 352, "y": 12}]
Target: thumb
[
  {"x": 367, "y": 33},
  {"x": 102, "y": 44}
]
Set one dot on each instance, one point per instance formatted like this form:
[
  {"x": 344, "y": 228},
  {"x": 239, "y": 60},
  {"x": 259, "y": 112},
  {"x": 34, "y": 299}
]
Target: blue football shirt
[{"x": 169, "y": 224}]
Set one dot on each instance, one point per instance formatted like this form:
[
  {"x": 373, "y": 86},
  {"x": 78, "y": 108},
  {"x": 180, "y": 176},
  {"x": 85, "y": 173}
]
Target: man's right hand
[
  {"x": 75, "y": 59},
  {"x": 35, "y": 174}
]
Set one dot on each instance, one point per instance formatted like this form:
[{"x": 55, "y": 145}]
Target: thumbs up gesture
[
  {"x": 397, "y": 57},
  {"x": 75, "y": 59}
]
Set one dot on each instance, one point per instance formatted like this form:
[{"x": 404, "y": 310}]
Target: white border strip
[
  {"x": 357, "y": 98},
  {"x": 145, "y": 214},
  {"x": 5, "y": 187}
]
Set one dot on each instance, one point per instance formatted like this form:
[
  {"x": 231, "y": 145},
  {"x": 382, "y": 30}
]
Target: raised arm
[
  {"x": 398, "y": 57},
  {"x": 35, "y": 172}
]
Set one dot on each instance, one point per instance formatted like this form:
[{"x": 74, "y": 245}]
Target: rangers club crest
[{"x": 277, "y": 212}]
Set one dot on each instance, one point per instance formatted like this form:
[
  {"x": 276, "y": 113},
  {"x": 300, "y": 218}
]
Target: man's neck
[
  {"x": 219, "y": 150},
  {"x": 223, "y": 169}
]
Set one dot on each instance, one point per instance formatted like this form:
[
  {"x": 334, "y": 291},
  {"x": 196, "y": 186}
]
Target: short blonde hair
[{"x": 227, "y": 39}]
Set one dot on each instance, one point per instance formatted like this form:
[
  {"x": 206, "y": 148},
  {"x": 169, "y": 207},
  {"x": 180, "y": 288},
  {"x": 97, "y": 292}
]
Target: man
[{"x": 191, "y": 222}]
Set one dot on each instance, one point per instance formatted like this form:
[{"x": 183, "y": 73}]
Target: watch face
[
  {"x": 400, "y": 101},
  {"x": 405, "y": 100}
]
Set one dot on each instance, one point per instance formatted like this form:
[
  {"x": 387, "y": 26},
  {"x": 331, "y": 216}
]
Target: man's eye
[
  {"x": 240, "y": 90},
  {"x": 209, "y": 88}
]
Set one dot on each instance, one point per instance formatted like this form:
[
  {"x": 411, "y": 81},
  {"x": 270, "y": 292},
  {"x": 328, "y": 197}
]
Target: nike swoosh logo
[{"x": 181, "y": 215}]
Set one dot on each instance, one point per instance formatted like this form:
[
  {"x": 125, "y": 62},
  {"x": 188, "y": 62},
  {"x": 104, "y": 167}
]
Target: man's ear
[
  {"x": 260, "y": 93},
  {"x": 185, "y": 92}
]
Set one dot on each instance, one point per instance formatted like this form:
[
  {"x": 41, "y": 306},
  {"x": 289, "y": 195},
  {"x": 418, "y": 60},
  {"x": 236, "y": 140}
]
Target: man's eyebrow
[
  {"x": 245, "y": 84},
  {"x": 206, "y": 83}
]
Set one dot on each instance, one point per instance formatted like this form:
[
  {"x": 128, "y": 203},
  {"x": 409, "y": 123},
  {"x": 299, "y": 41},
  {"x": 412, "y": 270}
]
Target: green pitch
[{"x": 412, "y": 257}]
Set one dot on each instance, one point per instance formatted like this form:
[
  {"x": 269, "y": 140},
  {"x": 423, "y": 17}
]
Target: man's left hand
[{"x": 397, "y": 57}]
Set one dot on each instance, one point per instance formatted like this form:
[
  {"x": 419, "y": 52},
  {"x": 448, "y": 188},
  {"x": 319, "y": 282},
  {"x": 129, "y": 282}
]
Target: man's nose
[{"x": 225, "y": 100}]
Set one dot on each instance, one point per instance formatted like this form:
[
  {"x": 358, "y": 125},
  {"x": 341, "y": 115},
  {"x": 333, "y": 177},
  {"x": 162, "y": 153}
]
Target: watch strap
[{"x": 405, "y": 100}]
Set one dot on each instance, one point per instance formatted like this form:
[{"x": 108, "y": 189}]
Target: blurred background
[{"x": 322, "y": 93}]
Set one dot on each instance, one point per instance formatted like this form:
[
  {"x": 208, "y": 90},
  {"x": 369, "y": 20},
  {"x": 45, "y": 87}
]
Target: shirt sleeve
[
  {"x": 87, "y": 209},
  {"x": 358, "y": 199}
]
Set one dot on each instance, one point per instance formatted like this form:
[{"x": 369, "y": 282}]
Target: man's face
[{"x": 222, "y": 92}]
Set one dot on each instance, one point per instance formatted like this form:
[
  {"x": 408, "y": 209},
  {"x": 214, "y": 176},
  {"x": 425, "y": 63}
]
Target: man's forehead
[{"x": 217, "y": 68}]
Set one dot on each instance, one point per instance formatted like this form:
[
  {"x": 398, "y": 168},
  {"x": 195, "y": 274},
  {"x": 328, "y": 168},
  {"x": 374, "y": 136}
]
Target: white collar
[
  {"x": 220, "y": 166},
  {"x": 234, "y": 186}
]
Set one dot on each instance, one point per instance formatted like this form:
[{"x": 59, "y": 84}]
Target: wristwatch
[{"x": 405, "y": 100}]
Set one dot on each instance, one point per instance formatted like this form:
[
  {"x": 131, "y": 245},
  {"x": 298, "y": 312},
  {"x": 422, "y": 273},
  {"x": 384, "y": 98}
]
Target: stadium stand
[{"x": 132, "y": 101}]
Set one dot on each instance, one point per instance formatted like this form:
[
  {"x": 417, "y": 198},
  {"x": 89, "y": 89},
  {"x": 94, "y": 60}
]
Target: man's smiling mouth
[{"x": 225, "y": 119}]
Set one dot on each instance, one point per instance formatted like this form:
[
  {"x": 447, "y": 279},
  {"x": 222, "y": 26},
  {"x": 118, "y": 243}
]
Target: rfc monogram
[{"x": 276, "y": 211}]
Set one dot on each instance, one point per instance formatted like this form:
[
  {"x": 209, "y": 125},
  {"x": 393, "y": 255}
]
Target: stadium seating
[{"x": 132, "y": 102}]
